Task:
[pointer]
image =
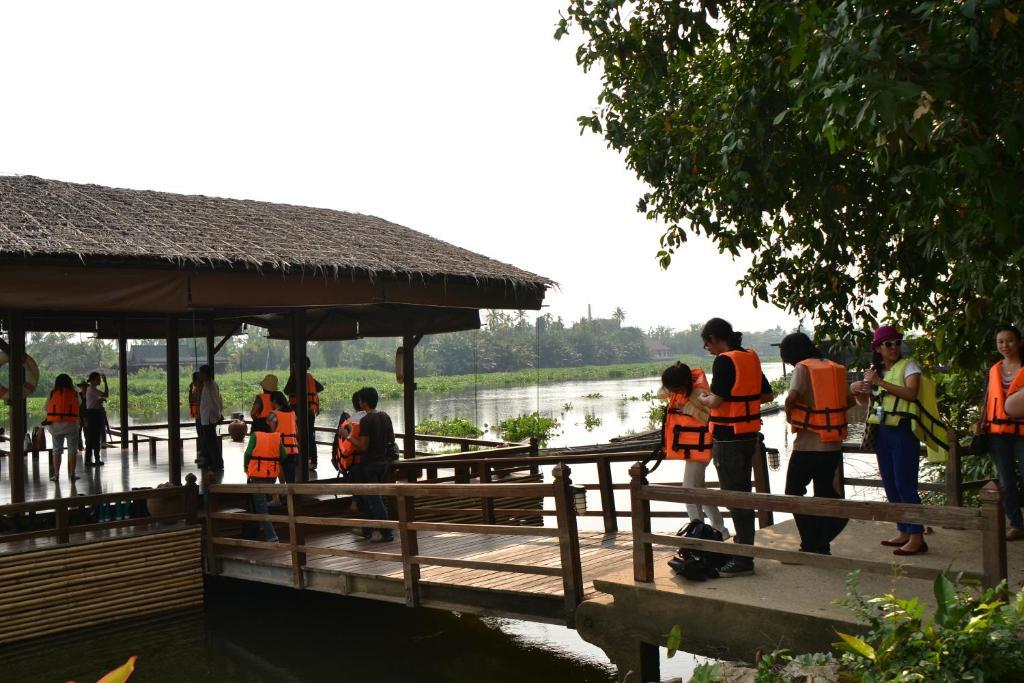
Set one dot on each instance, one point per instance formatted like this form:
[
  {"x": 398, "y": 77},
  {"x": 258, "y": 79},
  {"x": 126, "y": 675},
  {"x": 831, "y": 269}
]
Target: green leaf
[
  {"x": 855, "y": 645},
  {"x": 673, "y": 640},
  {"x": 778, "y": 118}
]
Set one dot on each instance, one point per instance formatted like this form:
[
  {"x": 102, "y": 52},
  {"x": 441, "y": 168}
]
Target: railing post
[
  {"x": 604, "y": 481},
  {"x": 152, "y": 450},
  {"x": 643, "y": 552},
  {"x": 211, "y": 548},
  {"x": 464, "y": 447},
  {"x": 761, "y": 482},
  {"x": 568, "y": 543},
  {"x": 191, "y": 499},
  {"x": 410, "y": 548},
  {"x": 61, "y": 513},
  {"x": 135, "y": 443},
  {"x": 954, "y": 472},
  {"x": 461, "y": 474},
  {"x": 295, "y": 539},
  {"x": 486, "y": 504},
  {"x": 993, "y": 538},
  {"x": 534, "y": 450}
]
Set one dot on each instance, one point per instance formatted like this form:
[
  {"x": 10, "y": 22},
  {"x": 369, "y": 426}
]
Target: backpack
[{"x": 698, "y": 565}]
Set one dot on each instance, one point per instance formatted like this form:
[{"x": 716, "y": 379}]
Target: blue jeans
[
  {"x": 1008, "y": 452},
  {"x": 371, "y": 506},
  {"x": 259, "y": 506},
  {"x": 899, "y": 457}
]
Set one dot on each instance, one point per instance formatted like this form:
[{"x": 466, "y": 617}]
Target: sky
[{"x": 457, "y": 119}]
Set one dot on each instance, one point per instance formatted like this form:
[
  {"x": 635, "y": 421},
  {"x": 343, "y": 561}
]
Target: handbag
[{"x": 979, "y": 445}]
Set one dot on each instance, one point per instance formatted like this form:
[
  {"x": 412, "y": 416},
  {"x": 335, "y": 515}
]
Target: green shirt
[{"x": 252, "y": 446}]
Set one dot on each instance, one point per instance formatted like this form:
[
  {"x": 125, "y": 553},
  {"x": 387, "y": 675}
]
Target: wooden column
[
  {"x": 568, "y": 543},
  {"x": 409, "y": 395},
  {"x": 16, "y": 342},
  {"x": 211, "y": 346},
  {"x": 173, "y": 405},
  {"x": 122, "y": 382},
  {"x": 297, "y": 354},
  {"x": 993, "y": 536},
  {"x": 643, "y": 552},
  {"x": 604, "y": 480},
  {"x": 954, "y": 472}
]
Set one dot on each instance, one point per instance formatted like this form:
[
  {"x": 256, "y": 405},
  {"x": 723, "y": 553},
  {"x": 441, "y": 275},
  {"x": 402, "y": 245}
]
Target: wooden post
[
  {"x": 211, "y": 347},
  {"x": 296, "y": 538},
  {"x": 19, "y": 417},
  {"x": 954, "y": 472},
  {"x": 211, "y": 547},
  {"x": 993, "y": 539},
  {"x": 761, "y": 482},
  {"x": 410, "y": 548},
  {"x": 122, "y": 383},
  {"x": 486, "y": 503},
  {"x": 297, "y": 351},
  {"x": 568, "y": 543},
  {"x": 604, "y": 482},
  {"x": 135, "y": 444},
  {"x": 173, "y": 404},
  {"x": 191, "y": 499},
  {"x": 409, "y": 395},
  {"x": 62, "y": 523},
  {"x": 643, "y": 552}
]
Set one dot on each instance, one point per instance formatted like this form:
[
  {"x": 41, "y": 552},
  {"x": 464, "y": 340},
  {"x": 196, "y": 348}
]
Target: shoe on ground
[
  {"x": 99, "y": 462},
  {"x": 359, "y": 533},
  {"x": 53, "y": 477},
  {"x": 73, "y": 477},
  {"x": 736, "y": 567},
  {"x": 378, "y": 537},
  {"x": 88, "y": 463},
  {"x": 1014, "y": 534}
]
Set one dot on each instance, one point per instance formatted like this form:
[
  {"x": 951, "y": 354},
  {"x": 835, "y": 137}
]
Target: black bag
[
  {"x": 391, "y": 453},
  {"x": 698, "y": 565},
  {"x": 979, "y": 445}
]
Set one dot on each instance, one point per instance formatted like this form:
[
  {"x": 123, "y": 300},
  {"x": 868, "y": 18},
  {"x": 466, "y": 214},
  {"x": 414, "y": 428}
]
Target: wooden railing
[
  {"x": 57, "y": 512},
  {"x": 988, "y": 520},
  {"x": 407, "y": 526}
]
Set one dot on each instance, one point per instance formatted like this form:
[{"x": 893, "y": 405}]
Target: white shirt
[
  {"x": 211, "y": 406},
  {"x": 93, "y": 398}
]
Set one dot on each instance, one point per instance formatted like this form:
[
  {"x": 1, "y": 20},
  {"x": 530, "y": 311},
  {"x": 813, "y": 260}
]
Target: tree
[
  {"x": 618, "y": 315},
  {"x": 868, "y": 154}
]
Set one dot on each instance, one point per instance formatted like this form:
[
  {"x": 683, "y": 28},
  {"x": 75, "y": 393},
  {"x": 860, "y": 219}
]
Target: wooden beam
[
  {"x": 173, "y": 404},
  {"x": 409, "y": 394},
  {"x": 297, "y": 353},
  {"x": 222, "y": 342},
  {"x": 211, "y": 349},
  {"x": 19, "y": 426},
  {"x": 122, "y": 381}
]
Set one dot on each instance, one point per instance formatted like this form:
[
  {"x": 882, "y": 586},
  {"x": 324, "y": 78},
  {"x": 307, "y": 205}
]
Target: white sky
[{"x": 457, "y": 119}]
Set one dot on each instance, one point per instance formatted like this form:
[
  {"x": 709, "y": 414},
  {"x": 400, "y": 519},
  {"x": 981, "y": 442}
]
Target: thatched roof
[{"x": 93, "y": 224}]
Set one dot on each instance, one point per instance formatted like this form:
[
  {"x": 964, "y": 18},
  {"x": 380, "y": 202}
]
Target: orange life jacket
[
  {"x": 827, "y": 418},
  {"x": 62, "y": 406},
  {"x": 193, "y": 402},
  {"x": 684, "y": 436},
  {"x": 742, "y": 409},
  {"x": 264, "y": 407},
  {"x": 265, "y": 459},
  {"x": 996, "y": 421},
  {"x": 345, "y": 452},
  {"x": 312, "y": 398},
  {"x": 286, "y": 426}
]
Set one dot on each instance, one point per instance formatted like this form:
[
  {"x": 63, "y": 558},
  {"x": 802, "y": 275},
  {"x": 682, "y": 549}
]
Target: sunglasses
[{"x": 895, "y": 344}]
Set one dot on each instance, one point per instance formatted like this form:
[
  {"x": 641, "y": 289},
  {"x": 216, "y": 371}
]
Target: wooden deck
[{"x": 489, "y": 592}]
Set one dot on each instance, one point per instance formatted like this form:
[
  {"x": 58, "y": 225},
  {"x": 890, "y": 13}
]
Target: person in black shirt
[
  {"x": 376, "y": 434},
  {"x": 735, "y": 438}
]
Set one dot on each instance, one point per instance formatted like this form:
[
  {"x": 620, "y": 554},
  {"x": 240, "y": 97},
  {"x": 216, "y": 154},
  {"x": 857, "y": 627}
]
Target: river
[{"x": 260, "y": 633}]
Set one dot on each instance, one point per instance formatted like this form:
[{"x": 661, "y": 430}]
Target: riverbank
[{"x": 148, "y": 389}]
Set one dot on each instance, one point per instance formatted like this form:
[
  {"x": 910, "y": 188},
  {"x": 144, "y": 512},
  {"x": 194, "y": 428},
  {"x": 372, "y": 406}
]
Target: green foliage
[
  {"x": 856, "y": 149},
  {"x": 449, "y": 426},
  {"x": 656, "y": 414},
  {"x": 706, "y": 672},
  {"x": 591, "y": 421},
  {"x": 567, "y": 407},
  {"x": 526, "y": 426},
  {"x": 593, "y": 395},
  {"x": 780, "y": 385}
]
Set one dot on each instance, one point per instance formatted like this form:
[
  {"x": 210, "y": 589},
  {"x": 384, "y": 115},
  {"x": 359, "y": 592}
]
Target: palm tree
[{"x": 618, "y": 315}]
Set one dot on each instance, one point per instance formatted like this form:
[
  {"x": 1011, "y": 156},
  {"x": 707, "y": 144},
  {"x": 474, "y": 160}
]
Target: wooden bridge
[{"x": 482, "y": 532}]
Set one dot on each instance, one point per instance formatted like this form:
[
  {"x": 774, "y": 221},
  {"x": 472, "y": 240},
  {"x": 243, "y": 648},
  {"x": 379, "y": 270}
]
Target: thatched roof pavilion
[{"x": 142, "y": 264}]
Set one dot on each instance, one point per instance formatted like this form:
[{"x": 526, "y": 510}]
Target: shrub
[
  {"x": 526, "y": 426},
  {"x": 449, "y": 426}
]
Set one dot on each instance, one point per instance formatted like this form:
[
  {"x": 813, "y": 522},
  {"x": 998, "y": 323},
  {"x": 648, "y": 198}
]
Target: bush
[
  {"x": 527, "y": 426},
  {"x": 449, "y": 426}
]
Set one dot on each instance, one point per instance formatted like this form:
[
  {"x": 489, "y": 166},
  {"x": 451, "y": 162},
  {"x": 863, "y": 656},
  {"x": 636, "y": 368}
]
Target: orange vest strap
[{"x": 996, "y": 421}]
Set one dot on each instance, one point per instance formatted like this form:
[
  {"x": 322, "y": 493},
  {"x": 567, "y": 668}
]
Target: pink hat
[{"x": 884, "y": 334}]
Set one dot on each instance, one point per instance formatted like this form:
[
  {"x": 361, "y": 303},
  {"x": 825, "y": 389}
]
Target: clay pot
[{"x": 237, "y": 429}]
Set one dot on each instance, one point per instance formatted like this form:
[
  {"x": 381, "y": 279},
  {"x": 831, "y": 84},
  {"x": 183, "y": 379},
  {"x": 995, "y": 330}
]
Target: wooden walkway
[{"x": 494, "y": 593}]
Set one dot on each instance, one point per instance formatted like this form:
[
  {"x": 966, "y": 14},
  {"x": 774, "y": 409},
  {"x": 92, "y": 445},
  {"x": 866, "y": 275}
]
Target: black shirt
[
  {"x": 723, "y": 377},
  {"x": 377, "y": 429}
]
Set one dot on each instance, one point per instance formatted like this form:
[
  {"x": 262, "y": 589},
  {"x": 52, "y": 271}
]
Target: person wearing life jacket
[
  {"x": 282, "y": 420},
  {"x": 1006, "y": 433},
  {"x": 313, "y": 389},
  {"x": 375, "y": 445},
  {"x": 262, "y": 461},
  {"x": 62, "y": 416},
  {"x": 686, "y": 435},
  {"x": 738, "y": 387},
  {"x": 262, "y": 405},
  {"x": 816, "y": 406},
  {"x": 95, "y": 417},
  {"x": 903, "y": 408},
  {"x": 344, "y": 454}
]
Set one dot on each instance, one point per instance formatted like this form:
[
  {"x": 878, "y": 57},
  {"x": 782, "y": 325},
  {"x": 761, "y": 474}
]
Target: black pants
[
  {"x": 734, "y": 462},
  {"x": 95, "y": 423},
  {"x": 374, "y": 472},
  {"x": 816, "y": 533},
  {"x": 213, "y": 459}
]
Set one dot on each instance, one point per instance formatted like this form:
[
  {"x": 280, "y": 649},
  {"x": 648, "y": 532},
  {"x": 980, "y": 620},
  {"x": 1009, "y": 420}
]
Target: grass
[{"x": 147, "y": 396}]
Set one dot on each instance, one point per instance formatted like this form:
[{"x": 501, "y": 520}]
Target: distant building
[
  {"x": 657, "y": 350},
  {"x": 142, "y": 356}
]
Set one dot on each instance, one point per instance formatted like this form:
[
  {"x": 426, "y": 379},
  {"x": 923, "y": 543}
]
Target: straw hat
[{"x": 269, "y": 383}]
